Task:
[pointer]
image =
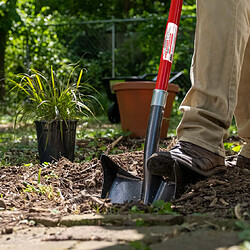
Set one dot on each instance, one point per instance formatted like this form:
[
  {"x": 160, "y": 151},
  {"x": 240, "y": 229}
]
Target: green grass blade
[
  {"x": 79, "y": 78},
  {"x": 40, "y": 84},
  {"x": 71, "y": 73},
  {"x": 33, "y": 90},
  {"x": 20, "y": 87},
  {"x": 39, "y": 176},
  {"x": 52, "y": 77}
]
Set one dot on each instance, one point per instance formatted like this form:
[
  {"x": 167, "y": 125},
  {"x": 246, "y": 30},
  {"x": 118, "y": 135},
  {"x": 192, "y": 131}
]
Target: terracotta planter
[{"x": 134, "y": 100}]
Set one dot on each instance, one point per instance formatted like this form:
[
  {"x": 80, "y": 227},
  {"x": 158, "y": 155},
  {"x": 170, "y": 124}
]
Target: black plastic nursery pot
[{"x": 56, "y": 139}]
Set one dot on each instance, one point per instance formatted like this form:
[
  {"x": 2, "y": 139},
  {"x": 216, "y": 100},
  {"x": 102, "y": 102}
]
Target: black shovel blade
[
  {"x": 166, "y": 191},
  {"x": 119, "y": 185},
  {"x": 125, "y": 190}
]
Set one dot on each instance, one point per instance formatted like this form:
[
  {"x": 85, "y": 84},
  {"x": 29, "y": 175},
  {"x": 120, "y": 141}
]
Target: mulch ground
[{"x": 65, "y": 188}]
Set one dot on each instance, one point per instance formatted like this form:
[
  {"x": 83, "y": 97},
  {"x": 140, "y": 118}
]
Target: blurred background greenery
[
  {"x": 112, "y": 38},
  {"x": 108, "y": 38}
]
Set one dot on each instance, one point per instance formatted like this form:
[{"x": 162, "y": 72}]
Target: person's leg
[
  {"x": 221, "y": 36},
  {"x": 242, "y": 111}
]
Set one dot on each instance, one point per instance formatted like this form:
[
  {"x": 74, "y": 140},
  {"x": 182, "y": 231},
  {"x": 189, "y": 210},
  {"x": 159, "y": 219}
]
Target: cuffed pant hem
[{"x": 211, "y": 148}]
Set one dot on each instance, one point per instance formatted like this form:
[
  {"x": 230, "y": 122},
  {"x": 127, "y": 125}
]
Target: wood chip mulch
[{"x": 65, "y": 188}]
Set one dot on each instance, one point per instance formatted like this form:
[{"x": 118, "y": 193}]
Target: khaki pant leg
[
  {"x": 222, "y": 33},
  {"x": 242, "y": 111}
]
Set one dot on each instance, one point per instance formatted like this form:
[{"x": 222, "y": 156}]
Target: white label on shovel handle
[{"x": 169, "y": 42}]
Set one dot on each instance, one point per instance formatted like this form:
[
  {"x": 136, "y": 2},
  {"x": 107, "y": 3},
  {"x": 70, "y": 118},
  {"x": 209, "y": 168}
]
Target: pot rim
[
  {"x": 144, "y": 85},
  {"x": 44, "y": 121}
]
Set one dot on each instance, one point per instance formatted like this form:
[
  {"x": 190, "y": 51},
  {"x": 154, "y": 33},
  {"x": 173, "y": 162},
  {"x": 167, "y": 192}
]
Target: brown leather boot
[
  {"x": 243, "y": 162},
  {"x": 190, "y": 157}
]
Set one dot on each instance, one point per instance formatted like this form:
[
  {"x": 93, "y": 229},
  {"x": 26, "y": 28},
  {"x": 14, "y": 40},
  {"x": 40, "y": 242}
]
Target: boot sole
[{"x": 162, "y": 164}]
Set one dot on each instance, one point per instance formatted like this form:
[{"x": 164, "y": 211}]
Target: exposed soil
[{"x": 70, "y": 188}]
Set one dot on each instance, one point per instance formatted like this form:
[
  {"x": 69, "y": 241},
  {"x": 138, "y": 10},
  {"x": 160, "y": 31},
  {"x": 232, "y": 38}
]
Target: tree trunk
[
  {"x": 8, "y": 15},
  {"x": 126, "y": 6},
  {"x": 3, "y": 35}
]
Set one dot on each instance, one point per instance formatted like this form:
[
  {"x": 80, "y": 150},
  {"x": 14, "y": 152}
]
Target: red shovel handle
[{"x": 169, "y": 44}]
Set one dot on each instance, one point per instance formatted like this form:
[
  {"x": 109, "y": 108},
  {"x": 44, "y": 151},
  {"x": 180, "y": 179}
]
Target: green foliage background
[{"x": 41, "y": 33}]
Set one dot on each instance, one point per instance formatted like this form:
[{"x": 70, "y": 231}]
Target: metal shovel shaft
[{"x": 152, "y": 183}]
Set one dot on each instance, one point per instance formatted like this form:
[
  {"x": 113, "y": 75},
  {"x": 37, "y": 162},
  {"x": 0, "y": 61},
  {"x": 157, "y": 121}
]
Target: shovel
[{"x": 121, "y": 186}]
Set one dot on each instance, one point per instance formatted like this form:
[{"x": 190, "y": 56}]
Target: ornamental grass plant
[
  {"x": 55, "y": 106},
  {"x": 51, "y": 99}
]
